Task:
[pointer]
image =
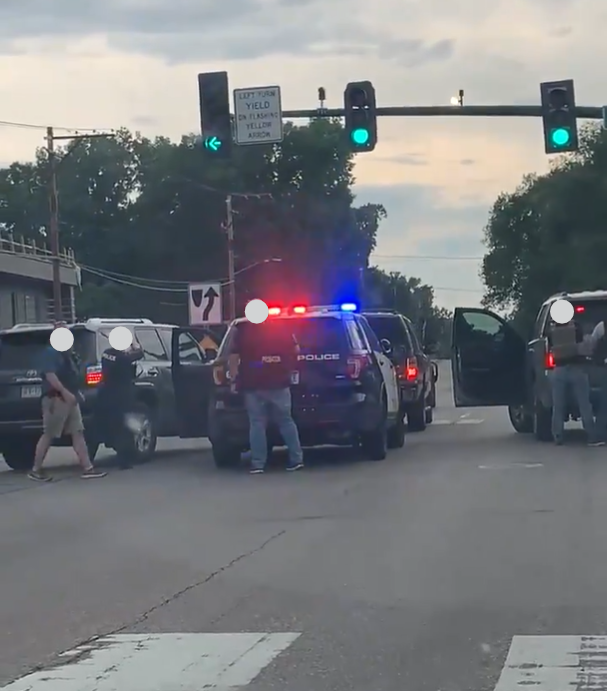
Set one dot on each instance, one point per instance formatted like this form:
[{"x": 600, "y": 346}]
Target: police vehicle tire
[
  {"x": 542, "y": 422},
  {"x": 432, "y": 396},
  {"x": 147, "y": 414},
  {"x": 226, "y": 456},
  {"x": 416, "y": 416},
  {"x": 520, "y": 419},
  {"x": 397, "y": 434},
  {"x": 19, "y": 454},
  {"x": 374, "y": 444}
]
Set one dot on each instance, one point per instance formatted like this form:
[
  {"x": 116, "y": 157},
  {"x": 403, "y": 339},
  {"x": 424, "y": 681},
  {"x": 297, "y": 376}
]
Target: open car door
[
  {"x": 192, "y": 380},
  {"x": 487, "y": 360}
]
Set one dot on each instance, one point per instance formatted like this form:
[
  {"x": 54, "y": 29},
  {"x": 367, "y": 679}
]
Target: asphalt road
[{"x": 418, "y": 573}]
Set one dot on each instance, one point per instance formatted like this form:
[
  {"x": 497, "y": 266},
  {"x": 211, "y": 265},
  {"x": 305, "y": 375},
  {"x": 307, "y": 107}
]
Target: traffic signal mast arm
[{"x": 581, "y": 112}]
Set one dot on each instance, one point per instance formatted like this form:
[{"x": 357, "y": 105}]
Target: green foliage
[
  {"x": 145, "y": 216},
  {"x": 549, "y": 234}
]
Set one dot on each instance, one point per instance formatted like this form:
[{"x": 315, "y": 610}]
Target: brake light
[
  {"x": 549, "y": 363},
  {"x": 409, "y": 371},
  {"x": 93, "y": 375},
  {"x": 357, "y": 364},
  {"x": 299, "y": 309},
  {"x": 274, "y": 311}
]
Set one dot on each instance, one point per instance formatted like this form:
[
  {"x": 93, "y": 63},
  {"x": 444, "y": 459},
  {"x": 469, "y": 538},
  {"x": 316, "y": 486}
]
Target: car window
[
  {"x": 189, "y": 350},
  {"x": 371, "y": 336},
  {"x": 22, "y": 350},
  {"x": 166, "y": 338},
  {"x": 412, "y": 336},
  {"x": 589, "y": 313},
  {"x": 151, "y": 344},
  {"x": 392, "y": 328},
  {"x": 479, "y": 328},
  {"x": 357, "y": 339}
]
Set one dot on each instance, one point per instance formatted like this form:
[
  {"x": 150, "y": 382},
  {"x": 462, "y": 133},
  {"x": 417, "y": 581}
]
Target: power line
[
  {"x": 424, "y": 256},
  {"x": 32, "y": 126}
]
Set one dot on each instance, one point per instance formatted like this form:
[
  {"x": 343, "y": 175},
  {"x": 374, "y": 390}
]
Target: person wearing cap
[
  {"x": 61, "y": 413},
  {"x": 260, "y": 366}
]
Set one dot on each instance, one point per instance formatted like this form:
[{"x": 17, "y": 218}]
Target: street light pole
[{"x": 53, "y": 197}]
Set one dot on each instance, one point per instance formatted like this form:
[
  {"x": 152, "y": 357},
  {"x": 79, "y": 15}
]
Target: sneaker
[
  {"x": 596, "y": 443},
  {"x": 39, "y": 476},
  {"x": 256, "y": 471},
  {"x": 297, "y": 466},
  {"x": 92, "y": 473}
]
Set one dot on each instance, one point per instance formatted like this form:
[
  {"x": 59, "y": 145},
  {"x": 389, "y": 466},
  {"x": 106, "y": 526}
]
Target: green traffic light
[
  {"x": 212, "y": 143},
  {"x": 360, "y": 136},
  {"x": 559, "y": 137}
]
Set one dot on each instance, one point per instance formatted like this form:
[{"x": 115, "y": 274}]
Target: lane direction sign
[
  {"x": 258, "y": 115},
  {"x": 204, "y": 303}
]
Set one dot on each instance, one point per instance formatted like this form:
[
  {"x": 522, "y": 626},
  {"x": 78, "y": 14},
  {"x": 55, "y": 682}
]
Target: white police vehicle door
[{"x": 386, "y": 366}]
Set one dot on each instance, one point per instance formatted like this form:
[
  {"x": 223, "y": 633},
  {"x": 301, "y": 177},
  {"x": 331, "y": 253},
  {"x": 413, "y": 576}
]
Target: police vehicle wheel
[
  {"x": 432, "y": 397},
  {"x": 542, "y": 422},
  {"x": 226, "y": 456},
  {"x": 429, "y": 414},
  {"x": 520, "y": 419},
  {"x": 19, "y": 453},
  {"x": 416, "y": 416},
  {"x": 374, "y": 444},
  {"x": 146, "y": 436},
  {"x": 397, "y": 434}
]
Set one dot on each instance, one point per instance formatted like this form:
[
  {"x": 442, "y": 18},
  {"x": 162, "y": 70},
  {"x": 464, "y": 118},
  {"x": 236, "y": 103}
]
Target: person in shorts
[{"x": 61, "y": 412}]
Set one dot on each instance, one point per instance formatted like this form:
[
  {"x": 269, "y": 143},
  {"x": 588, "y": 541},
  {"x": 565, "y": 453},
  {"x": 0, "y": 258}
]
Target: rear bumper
[
  {"x": 410, "y": 394},
  {"x": 337, "y": 423}
]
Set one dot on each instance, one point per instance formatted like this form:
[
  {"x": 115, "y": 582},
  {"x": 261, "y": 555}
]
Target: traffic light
[
  {"x": 558, "y": 115},
  {"x": 216, "y": 122},
  {"x": 361, "y": 116}
]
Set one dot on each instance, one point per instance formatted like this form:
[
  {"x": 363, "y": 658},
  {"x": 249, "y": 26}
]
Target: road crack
[{"x": 59, "y": 660}]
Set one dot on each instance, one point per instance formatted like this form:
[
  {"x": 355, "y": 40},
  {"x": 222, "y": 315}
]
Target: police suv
[
  {"x": 493, "y": 365},
  {"x": 344, "y": 391}
]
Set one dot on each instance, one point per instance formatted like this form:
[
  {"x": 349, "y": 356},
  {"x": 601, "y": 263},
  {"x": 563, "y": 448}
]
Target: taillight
[
  {"x": 220, "y": 377},
  {"x": 357, "y": 363},
  {"x": 549, "y": 362},
  {"x": 409, "y": 371},
  {"x": 93, "y": 375}
]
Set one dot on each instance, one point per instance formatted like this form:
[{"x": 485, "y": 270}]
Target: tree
[{"x": 549, "y": 234}]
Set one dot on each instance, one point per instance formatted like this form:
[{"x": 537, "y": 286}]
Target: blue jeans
[
  {"x": 272, "y": 404},
  {"x": 576, "y": 377}
]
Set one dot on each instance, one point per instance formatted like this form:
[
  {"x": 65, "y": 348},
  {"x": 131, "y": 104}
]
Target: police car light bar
[{"x": 348, "y": 307}]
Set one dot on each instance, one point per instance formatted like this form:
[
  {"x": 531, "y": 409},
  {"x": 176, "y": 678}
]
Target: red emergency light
[
  {"x": 299, "y": 309},
  {"x": 580, "y": 308},
  {"x": 274, "y": 311}
]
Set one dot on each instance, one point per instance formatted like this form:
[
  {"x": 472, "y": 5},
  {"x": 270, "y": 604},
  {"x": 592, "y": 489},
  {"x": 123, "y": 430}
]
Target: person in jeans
[
  {"x": 570, "y": 372},
  {"x": 261, "y": 365},
  {"x": 597, "y": 344},
  {"x": 61, "y": 412}
]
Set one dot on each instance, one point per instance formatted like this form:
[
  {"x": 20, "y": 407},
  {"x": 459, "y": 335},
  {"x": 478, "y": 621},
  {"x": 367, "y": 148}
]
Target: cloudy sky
[{"x": 133, "y": 63}]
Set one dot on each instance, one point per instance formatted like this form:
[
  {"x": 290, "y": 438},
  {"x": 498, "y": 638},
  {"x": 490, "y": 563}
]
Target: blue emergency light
[{"x": 348, "y": 307}]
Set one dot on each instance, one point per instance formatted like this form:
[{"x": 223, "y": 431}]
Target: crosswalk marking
[
  {"x": 555, "y": 663},
  {"x": 159, "y": 662}
]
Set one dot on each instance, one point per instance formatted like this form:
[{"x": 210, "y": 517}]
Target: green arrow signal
[{"x": 212, "y": 143}]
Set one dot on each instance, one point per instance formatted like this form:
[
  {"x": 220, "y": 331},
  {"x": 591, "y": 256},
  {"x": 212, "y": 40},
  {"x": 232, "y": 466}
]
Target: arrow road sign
[{"x": 204, "y": 303}]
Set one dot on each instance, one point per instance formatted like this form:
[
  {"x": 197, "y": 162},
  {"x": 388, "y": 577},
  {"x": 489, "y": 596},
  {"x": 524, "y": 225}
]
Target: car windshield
[{"x": 21, "y": 350}]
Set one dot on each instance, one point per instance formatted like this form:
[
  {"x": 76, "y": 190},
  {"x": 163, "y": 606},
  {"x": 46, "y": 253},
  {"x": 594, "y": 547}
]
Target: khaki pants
[{"x": 59, "y": 418}]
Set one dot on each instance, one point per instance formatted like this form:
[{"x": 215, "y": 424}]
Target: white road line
[
  {"x": 461, "y": 421},
  {"x": 507, "y": 466},
  {"x": 555, "y": 663},
  {"x": 161, "y": 662}
]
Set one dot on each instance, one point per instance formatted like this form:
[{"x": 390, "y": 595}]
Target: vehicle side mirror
[
  {"x": 386, "y": 346},
  {"x": 210, "y": 353}
]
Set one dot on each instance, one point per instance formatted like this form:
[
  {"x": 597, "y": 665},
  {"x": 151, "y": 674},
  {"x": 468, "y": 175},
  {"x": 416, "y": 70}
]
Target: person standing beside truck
[{"x": 566, "y": 342}]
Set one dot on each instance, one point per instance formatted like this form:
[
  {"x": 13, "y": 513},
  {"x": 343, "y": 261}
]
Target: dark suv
[
  {"x": 157, "y": 403},
  {"x": 417, "y": 374},
  {"x": 493, "y": 365},
  {"x": 344, "y": 389}
]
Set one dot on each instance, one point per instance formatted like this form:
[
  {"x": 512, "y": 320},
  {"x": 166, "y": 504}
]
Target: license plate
[
  {"x": 294, "y": 378},
  {"x": 31, "y": 391}
]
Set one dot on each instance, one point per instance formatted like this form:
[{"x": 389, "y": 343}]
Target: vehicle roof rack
[{"x": 97, "y": 321}]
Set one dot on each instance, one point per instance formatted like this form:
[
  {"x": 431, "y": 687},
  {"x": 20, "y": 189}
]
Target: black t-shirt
[
  {"x": 267, "y": 355},
  {"x": 118, "y": 368}
]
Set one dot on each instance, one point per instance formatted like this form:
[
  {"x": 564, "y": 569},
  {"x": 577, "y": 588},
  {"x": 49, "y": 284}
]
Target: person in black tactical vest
[
  {"x": 598, "y": 348},
  {"x": 115, "y": 400},
  {"x": 570, "y": 372}
]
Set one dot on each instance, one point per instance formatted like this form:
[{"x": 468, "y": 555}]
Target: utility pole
[
  {"x": 53, "y": 197},
  {"x": 231, "y": 261}
]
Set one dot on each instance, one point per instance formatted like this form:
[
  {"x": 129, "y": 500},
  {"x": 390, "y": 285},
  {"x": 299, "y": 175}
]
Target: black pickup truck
[{"x": 493, "y": 365}]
